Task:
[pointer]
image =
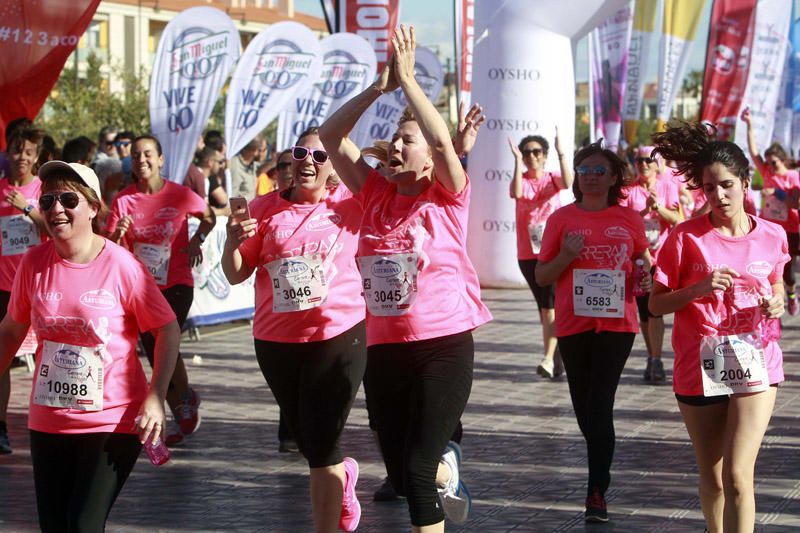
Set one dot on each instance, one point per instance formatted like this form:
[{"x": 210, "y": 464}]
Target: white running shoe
[{"x": 455, "y": 497}]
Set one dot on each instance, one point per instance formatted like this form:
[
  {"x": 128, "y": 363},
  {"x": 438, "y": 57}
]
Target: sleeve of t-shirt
[
  {"x": 145, "y": 300},
  {"x": 640, "y": 242},
  {"x": 113, "y": 216},
  {"x": 668, "y": 271},
  {"x": 194, "y": 203},
  {"x": 460, "y": 199},
  {"x": 371, "y": 187},
  {"x": 19, "y": 306},
  {"x": 777, "y": 271},
  {"x": 551, "y": 239}
]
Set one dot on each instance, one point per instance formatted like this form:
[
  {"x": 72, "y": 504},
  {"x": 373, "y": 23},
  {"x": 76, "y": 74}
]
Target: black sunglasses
[
  {"x": 535, "y": 151},
  {"x": 301, "y": 152},
  {"x": 283, "y": 164},
  {"x": 121, "y": 143},
  {"x": 647, "y": 160},
  {"x": 68, "y": 199}
]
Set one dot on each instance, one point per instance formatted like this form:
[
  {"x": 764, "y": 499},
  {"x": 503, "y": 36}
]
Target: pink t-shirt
[
  {"x": 105, "y": 302},
  {"x": 776, "y": 210},
  {"x": 294, "y": 238},
  {"x": 160, "y": 220},
  {"x": 612, "y": 237},
  {"x": 539, "y": 199},
  {"x": 655, "y": 228},
  {"x": 432, "y": 227},
  {"x": 691, "y": 252},
  {"x": 19, "y": 232}
]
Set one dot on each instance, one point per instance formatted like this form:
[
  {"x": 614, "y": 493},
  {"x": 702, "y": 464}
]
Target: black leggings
[
  {"x": 315, "y": 384},
  {"x": 788, "y": 272},
  {"x": 79, "y": 476},
  {"x": 594, "y": 363},
  {"x": 545, "y": 296},
  {"x": 417, "y": 392},
  {"x": 179, "y": 298}
]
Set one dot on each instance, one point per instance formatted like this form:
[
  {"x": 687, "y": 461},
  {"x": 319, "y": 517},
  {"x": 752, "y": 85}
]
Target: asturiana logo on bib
[
  {"x": 759, "y": 269},
  {"x": 68, "y": 359},
  {"x": 617, "y": 232},
  {"x": 599, "y": 280},
  {"x": 98, "y": 299},
  {"x": 167, "y": 213},
  {"x": 198, "y": 52},
  {"x": 731, "y": 348},
  {"x": 293, "y": 269},
  {"x": 323, "y": 221},
  {"x": 385, "y": 268},
  {"x": 281, "y": 64}
]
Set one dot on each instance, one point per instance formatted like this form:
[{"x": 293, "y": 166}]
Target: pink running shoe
[
  {"x": 351, "y": 508},
  {"x": 188, "y": 413}
]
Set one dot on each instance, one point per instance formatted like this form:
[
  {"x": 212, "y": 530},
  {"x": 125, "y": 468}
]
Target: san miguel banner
[
  {"x": 380, "y": 121},
  {"x": 194, "y": 57},
  {"x": 374, "y": 20},
  {"x": 770, "y": 43},
  {"x": 36, "y": 38},
  {"x": 280, "y": 62},
  {"x": 681, "y": 18},
  {"x": 608, "y": 73},
  {"x": 348, "y": 67},
  {"x": 730, "y": 39},
  {"x": 464, "y": 41},
  {"x": 644, "y": 28}
]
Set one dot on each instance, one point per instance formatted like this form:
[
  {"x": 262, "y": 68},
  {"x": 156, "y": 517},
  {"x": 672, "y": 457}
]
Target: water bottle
[
  {"x": 158, "y": 453},
  {"x": 639, "y": 274}
]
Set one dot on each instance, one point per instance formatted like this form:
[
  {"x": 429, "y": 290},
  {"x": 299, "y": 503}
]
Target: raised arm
[
  {"x": 345, "y": 155},
  {"x": 467, "y": 131},
  {"x": 564, "y": 163},
  {"x": 515, "y": 187},
  {"x": 752, "y": 146},
  {"x": 446, "y": 164}
]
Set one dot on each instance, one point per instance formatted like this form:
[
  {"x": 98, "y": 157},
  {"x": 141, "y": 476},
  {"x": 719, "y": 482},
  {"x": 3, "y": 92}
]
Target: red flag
[
  {"x": 465, "y": 39},
  {"x": 374, "y": 20},
  {"x": 36, "y": 38},
  {"x": 727, "y": 62}
]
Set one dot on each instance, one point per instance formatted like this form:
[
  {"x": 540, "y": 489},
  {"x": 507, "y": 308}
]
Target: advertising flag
[
  {"x": 464, "y": 40},
  {"x": 374, "y": 20},
  {"x": 644, "y": 28}
]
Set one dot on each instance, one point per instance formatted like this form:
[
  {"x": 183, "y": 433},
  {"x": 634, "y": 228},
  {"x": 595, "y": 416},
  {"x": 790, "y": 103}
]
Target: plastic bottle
[
  {"x": 158, "y": 453},
  {"x": 639, "y": 274}
]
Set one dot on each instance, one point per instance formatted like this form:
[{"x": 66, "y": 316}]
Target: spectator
[
  {"x": 79, "y": 150},
  {"x": 11, "y": 128},
  {"x": 49, "y": 151},
  {"x": 105, "y": 143},
  {"x": 243, "y": 170},
  {"x": 209, "y": 163}
]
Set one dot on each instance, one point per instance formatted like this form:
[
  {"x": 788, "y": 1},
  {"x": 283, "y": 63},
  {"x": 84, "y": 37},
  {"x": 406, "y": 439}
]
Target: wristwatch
[
  {"x": 201, "y": 237},
  {"x": 27, "y": 210}
]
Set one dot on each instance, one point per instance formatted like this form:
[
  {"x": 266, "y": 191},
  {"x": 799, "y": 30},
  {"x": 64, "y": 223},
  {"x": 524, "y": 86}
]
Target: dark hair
[
  {"x": 17, "y": 124},
  {"x": 693, "y": 146},
  {"x": 204, "y": 155},
  {"x": 69, "y": 182},
  {"x": 152, "y": 138},
  {"x": 125, "y": 134},
  {"x": 535, "y": 138},
  {"x": 23, "y": 135},
  {"x": 313, "y": 130},
  {"x": 49, "y": 150},
  {"x": 618, "y": 170},
  {"x": 214, "y": 139},
  {"x": 78, "y": 149},
  {"x": 775, "y": 149}
]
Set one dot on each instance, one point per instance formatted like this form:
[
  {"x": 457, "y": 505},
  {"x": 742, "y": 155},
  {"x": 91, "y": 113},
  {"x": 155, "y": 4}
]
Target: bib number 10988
[
  {"x": 62, "y": 387},
  {"x": 598, "y": 301}
]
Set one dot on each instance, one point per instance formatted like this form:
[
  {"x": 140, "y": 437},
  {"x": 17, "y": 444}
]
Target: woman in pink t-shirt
[
  {"x": 309, "y": 330},
  {"x": 779, "y": 195},
  {"x": 21, "y": 227},
  {"x": 150, "y": 218},
  {"x": 656, "y": 196},
  {"x": 536, "y": 195},
  {"x": 86, "y": 298},
  {"x": 588, "y": 251},
  {"x": 421, "y": 291},
  {"x": 721, "y": 276}
]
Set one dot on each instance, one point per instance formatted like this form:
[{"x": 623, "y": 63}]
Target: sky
[{"x": 433, "y": 21}]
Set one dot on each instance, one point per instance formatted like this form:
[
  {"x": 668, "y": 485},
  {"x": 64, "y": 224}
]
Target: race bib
[
  {"x": 598, "y": 293},
  {"x": 155, "y": 258},
  {"x": 775, "y": 209},
  {"x": 732, "y": 364},
  {"x": 389, "y": 282},
  {"x": 70, "y": 377},
  {"x": 298, "y": 283},
  {"x": 18, "y": 233},
  {"x": 652, "y": 230},
  {"x": 535, "y": 231}
]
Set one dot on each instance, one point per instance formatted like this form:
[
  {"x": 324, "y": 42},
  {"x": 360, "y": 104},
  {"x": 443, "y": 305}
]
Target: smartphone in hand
[{"x": 239, "y": 208}]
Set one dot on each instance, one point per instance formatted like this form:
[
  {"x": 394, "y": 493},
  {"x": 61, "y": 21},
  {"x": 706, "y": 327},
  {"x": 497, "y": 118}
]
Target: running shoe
[
  {"x": 386, "y": 492},
  {"x": 351, "y": 508},
  {"x": 558, "y": 364},
  {"x": 658, "y": 370},
  {"x": 5, "y": 444},
  {"x": 288, "y": 446},
  {"x": 794, "y": 307},
  {"x": 174, "y": 434},
  {"x": 188, "y": 413},
  {"x": 546, "y": 368},
  {"x": 455, "y": 497},
  {"x": 648, "y": 371},
  {"x": 596, "y": 510}
]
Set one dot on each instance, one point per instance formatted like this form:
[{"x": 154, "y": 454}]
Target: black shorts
[
  {"x": 702, "y": 401},
  {"x": 545, "y": 296}
]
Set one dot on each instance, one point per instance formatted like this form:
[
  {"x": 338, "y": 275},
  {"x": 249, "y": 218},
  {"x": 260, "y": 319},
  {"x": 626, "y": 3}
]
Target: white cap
[{"x": 53, "y": 169}]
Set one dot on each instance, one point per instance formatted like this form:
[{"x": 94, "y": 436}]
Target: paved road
[{"x": 524, "y": 457}]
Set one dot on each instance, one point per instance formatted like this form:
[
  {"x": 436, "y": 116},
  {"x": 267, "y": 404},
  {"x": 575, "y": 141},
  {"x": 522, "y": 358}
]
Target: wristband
[
  {"x": 201, "y": 237},
  {"x": 27, "y": 210}
]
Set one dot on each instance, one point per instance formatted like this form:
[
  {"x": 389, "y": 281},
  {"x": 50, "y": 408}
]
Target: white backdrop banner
[
  {"x": 379, "y": 122},
  {"x": 522, "y": 93},
  {"x": 348, "y": 67},
  {"x": 770, "y": 44},
  {"x": 280, "y": 63},
  {"x": 194, "y": 57}
]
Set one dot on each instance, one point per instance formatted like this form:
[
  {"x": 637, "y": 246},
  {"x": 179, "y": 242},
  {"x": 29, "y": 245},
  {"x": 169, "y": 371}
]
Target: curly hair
[
  {"x": 693, "y": 146},
  {"x": 618, "y": 169},
  {"x": 535, "y": 138}
]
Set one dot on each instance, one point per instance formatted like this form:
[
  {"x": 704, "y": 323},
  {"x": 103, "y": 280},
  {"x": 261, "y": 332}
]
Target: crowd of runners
[{"x": 362, "y": 276}]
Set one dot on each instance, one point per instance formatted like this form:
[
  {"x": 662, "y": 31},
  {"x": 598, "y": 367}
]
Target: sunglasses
[
  {"x": 773, "y": 163},
  {"x": 536, "y": 152},
  {"x": 68, "y": 199},
  {"x": 299, "y": 153},
  {"x": 597, "y": 171},
  {"x": 119, "y": 144},
  {"x": 283, "y": 164},
  {"x": 646, "y": 160}
]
